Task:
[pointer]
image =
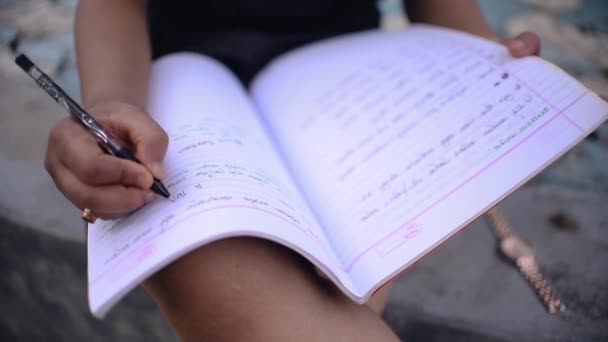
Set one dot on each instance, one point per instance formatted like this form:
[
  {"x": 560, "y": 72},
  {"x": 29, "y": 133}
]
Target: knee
[
  {"x": 251, "y": 289},
  {"x": 230, "y": 281},
  {"x": 216, "y": 272}
]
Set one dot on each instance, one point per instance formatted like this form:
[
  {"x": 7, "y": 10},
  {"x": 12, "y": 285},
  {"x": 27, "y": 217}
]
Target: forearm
[
  {"x": 113, "y": 51},
  {"x": 463, "y": 15}
]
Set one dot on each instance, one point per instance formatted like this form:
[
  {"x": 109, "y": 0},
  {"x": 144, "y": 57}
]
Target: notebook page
[
  {"x": 399, "y": 139},
  {"x": 223, "y": 174}
]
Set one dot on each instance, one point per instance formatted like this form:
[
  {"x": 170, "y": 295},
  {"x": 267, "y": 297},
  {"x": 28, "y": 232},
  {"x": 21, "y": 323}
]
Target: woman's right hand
[{"x": 90, "y": 178}]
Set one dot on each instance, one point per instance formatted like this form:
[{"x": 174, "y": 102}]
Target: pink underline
[
  {"x": 196, "y": 213},
  {"x": 374, "y": 245},
  {"x": 541, "y": 97},
  {"x": 529, "y": 88},
  {"x": 525, "y": 84}
]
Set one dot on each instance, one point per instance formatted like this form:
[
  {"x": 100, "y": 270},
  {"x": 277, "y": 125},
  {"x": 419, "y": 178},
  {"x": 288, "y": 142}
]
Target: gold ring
[{"x": 88, "y": 215}]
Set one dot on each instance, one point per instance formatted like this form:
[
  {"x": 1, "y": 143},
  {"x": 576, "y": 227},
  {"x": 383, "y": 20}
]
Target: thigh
[
  {"x": 378, "y": 300},
  {"x": 255, "y": 290}
]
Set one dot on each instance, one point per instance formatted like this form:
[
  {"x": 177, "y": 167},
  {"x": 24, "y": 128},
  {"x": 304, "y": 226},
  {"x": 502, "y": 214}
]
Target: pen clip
[{"x": 103, "y": 138}]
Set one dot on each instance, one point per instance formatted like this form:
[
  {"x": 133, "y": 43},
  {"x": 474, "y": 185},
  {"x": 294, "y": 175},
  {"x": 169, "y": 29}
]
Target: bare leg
[
  {"x": 378, "y": 301},
  {"x": 246, "y": 289}
]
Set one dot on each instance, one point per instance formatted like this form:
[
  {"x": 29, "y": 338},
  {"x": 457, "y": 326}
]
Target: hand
[
  {"x": 90, "y": 178},
  {"x": 524, "y": 44}
]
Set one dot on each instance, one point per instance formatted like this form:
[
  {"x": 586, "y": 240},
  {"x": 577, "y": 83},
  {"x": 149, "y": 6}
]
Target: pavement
[{"x": 463, "y": 291}]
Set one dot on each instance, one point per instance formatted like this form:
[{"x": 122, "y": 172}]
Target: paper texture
[
  {"x": 399, "y": 139},
  {"x": 362, "y": 153}
]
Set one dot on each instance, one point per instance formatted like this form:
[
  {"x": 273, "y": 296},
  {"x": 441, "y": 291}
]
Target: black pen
[{"x": 106, "y": 141}]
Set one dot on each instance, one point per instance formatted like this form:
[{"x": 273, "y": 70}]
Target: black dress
[{"x": 245, "y": 35}]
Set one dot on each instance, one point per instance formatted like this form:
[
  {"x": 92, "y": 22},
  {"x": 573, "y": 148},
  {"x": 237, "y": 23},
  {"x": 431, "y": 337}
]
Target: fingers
[
  {"x": 107, "y": 201},
  {"x": 149, "y": 140},
  {"x": 525, "y": 44},
  {"x": 107, "y": 185},
  {"x": 70, "y": 145},
  {"x": 89, "y": 178},
  {"x": 105, "y": 169}
]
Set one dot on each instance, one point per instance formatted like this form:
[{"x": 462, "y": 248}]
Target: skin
[{"x": 235, "y": 289}]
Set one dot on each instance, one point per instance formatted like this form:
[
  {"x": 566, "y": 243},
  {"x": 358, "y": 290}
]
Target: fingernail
[
  {"x": 150, "y": 196},
  {"x": 157, "y": 170}
]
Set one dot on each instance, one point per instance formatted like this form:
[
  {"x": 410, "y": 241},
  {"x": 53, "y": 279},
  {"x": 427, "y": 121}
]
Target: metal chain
[
  {"x": 526, "y": 264},
  {"x": 529, "y": 268},
  {"x": 498, "y": 223}
]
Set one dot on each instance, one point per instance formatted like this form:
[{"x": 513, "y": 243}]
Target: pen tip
[{"x": 159, "y": 188}]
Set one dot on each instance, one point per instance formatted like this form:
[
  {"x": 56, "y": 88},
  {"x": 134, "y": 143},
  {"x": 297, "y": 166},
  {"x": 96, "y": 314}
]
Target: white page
[
  {"x": 224, "y": 175},
  {"x": 402, "y": 138}
]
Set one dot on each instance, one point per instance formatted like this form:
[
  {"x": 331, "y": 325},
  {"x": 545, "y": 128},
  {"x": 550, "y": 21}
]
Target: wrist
[
  {"x": 104, "y": 107},
  {"x": 112, "y": 101}
]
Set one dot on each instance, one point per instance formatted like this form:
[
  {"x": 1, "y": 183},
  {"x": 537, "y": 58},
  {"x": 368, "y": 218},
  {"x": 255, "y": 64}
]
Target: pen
[{"x": 105, "y": 140}]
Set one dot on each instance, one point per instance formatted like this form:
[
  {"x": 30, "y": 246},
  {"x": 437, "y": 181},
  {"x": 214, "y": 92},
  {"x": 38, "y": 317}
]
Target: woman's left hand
[{"x": 524, "y": 44}]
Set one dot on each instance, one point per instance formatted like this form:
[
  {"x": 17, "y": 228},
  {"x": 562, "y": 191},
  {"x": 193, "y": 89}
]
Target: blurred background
[{"x": 463, "y": 291}]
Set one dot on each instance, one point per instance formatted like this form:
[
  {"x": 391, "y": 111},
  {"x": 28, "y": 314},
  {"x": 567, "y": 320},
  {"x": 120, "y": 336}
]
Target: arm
[
  {"x": 113, "y": 53},
  {"x": 462, "y": 15},
  {"x": 465, "y": 15}
]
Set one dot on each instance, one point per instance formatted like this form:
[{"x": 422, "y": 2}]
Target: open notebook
[{"x": 362, "y": 153}]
